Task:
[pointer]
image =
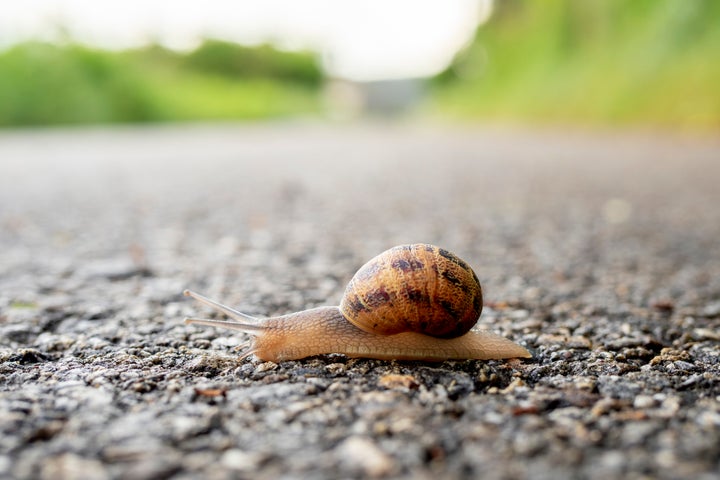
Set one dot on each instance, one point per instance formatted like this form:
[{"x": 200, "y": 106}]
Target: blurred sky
[{"x": 359, "y": 39}]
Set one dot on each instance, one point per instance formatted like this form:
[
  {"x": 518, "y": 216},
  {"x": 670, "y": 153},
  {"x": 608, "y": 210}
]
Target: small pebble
[
  {"x": 643, "y": 402},
  {"x": 240, "y": 460},
  {"x": 391, "y": 381},
  {"x": 362, "y": 453}
]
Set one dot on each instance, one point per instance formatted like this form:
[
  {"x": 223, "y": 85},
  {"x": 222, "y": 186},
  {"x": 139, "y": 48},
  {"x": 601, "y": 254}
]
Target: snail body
[{"x": 412, "y": 302}]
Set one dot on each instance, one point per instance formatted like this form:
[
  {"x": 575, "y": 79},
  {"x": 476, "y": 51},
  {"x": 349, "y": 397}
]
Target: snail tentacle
[
  {"x": 230, "y": 312},
  {"x": 247, "y": 323},
  {"x": 243, "y": 327}
]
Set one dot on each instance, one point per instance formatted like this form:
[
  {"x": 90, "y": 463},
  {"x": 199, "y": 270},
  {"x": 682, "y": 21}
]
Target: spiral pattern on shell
[{"x": 420, "y": 288}]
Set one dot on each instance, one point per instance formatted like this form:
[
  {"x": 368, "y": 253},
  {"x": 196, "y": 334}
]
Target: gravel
[{"x": 599, "y": 252}]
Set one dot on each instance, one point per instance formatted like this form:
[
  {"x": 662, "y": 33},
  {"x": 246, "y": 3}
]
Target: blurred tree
[{"x": 233, "y": 60}]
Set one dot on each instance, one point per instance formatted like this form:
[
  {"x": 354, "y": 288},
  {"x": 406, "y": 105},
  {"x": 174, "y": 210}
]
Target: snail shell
[
  {"x": 414, "y": 288},
  {"x": 412, "y": 302}
]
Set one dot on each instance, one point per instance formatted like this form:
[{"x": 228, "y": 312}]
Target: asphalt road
[{"x": 599, "y": 252}]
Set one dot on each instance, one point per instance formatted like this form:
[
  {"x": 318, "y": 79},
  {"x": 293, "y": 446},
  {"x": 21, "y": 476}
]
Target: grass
[
  {"x": 609, "y": 62},
  {"x": 203, "y": 97},
  {"x": 43, "y": 84}
]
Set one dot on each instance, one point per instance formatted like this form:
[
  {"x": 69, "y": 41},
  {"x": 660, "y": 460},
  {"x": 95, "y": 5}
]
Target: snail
[{"x": 411, "y": 302}]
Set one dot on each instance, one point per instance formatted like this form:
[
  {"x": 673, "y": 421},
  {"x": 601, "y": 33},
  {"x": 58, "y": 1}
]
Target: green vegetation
[
  {"x": 651, "y": 62},
  {"x": 42, "y": 84},
  {"x": 603, "y": 62},
  {"x": 233, "y": 61}
]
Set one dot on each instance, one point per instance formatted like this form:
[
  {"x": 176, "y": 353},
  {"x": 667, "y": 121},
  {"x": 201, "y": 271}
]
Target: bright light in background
[{"x": 359, "y": 39}]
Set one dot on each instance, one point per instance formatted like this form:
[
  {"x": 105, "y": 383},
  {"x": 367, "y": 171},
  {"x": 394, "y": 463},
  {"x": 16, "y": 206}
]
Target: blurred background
[
  {"x": 260, "y": 151},
  {"x": 647, "y": 63}
]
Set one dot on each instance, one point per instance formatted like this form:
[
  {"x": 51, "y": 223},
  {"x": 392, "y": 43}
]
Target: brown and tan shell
[{"x": 414, "y": 288}]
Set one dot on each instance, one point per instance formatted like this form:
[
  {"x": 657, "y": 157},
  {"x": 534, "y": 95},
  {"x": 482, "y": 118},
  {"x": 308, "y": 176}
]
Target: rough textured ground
[{"x": 600, "y": 253}]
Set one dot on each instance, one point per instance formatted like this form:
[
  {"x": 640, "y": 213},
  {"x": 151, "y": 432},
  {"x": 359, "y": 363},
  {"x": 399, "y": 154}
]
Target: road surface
[{"x": 599, "y": 252}]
